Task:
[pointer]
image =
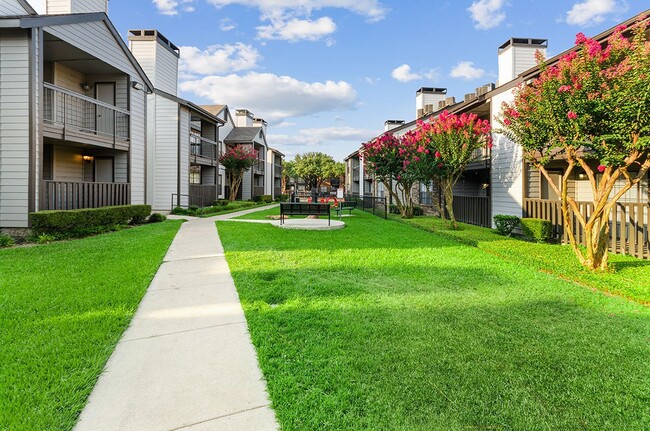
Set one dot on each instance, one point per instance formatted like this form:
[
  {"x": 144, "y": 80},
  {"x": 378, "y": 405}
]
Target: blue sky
[{"x": 326, "y": 74}]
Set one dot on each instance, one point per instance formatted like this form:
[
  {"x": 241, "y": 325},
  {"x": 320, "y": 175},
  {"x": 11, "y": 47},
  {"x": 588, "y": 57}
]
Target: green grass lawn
[
  {"x": 381, "y": 326},
  {"x": 63, "y": 307}
]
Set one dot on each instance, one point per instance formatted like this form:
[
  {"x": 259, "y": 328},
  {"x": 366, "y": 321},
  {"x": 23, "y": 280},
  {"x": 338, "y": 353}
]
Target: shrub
[
  {"x": 264, "y": 198},
  {"x": 393, "y": 209},
  {"x": 193, "y": 208},
  {"x": 83, "y": 222},
  {"x": 418, "y": 211},
  {"x": 6, "y": 240},
  {"x": 282, "y": 198},
  {"x": 179, "y": 211},
  {"x": 221, "y": 202},
  {"x": 45, "y": 238},
  {"x": 157, "y": 218},
  {"x": 537, "y": 230},
  {"x": 505, "y": 223}
]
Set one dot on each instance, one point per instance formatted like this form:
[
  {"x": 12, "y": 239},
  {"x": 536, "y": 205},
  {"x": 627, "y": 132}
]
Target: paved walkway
[{"x": 186, "y": 362}]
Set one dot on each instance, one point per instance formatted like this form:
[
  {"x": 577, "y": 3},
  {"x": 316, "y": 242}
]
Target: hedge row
[
  {"x": 76, "y": 223},
  {"x": 215, "y": 209}
]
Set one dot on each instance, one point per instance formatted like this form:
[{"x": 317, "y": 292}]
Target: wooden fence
[
  {"x": 202, "y": 195},
  {"x": 70, "y": 195},
  {"x": 628, "y": 224},
  {"x": 476, "y": 210}
]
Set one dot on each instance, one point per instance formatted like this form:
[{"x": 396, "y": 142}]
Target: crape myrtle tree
[
  {"x": 443, "y": 147},
  {"x": 592, "y": 106},
  {"x": 288, "y": 172},
  {"x": 314, "y": 168},
  {"x": 236, "y": 161},
  {"x": 389, "y": 159}
]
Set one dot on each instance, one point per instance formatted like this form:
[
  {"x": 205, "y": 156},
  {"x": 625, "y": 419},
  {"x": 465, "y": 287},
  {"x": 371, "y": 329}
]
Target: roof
[
  {"x": 242, "y": 134},
  {"x": 37, "y": 21},
  {"x": 276, "y": 151},
  {"x": 191, "y": 105},
  {"x": 354, "y": 154}
]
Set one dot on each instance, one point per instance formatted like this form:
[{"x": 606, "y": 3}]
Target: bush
[
  {"x": 418, "y": 211},
  {"x": 505, "y": 223},
  {"x": 264, "y": 198},
  {"x": 282, "y": 198},
  {"x": 157, "y": 218},
  {"x": 179, "y": 211},
  {"x": 83, "y": 222},
  {"x": 6, "y": 240},
  {"x": 537, "y": 230},
  {"x": 392, "y": 208},
  {"x": 221, "y": 202},
  {"x": 45, "y": 238}
]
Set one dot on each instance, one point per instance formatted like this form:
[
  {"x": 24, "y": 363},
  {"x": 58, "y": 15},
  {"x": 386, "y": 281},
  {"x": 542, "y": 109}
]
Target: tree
[
  {"x": 288, "y": 172},
  {"x": 444, "y": 147},
  {"x": 591, "y": 110},
  {"x": 236, "y": 161},
  {"x": 314, "y": 168},
  {"x": 389, "y": 159}
]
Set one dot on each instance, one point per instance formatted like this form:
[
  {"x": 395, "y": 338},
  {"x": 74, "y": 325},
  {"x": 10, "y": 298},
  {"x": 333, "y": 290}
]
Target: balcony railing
[
  {"x": 206, "y": 192},
  {"x": 480, "y": 158},
  {"x": 355, "y": 173},
  {"x": 277, "y": 170},
  {"x": 77, "y": 113},
  {"x": 202, "y": 147},
  {"x": 70, "y": 195},
  {"x": 258, "y": 191}
]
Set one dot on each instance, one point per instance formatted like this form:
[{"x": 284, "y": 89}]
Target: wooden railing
[
  {"x": 70, "y": 195},
  {"x": 476, "y": 210},
  {"x": 206, "y": 192},
  {"x": 258, "y": 191},
  {"x": 628, "y": 224},
  {"x": 202, "y": 147},
  {"x": 78, "y": 113}
]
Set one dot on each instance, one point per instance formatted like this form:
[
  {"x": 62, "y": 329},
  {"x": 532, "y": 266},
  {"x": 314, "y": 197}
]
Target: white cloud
[
  {"x": 591, "y": 12},
  {"x": 466, "y": 70},
  {"x": 372, "y": 81},
  {"x": 336, "y": 141},
  {"x": 373, "y": 10},
  {"x": 218, "y": 59},
  {"x": 273, "y": 97},
  {"x": 171, "y": 7},
  {"x": 296, "y": 29},
  {"x": 487, "y": 14},
  {"x": 403, "y": 74},
  {"x": 226, "y": 24}
]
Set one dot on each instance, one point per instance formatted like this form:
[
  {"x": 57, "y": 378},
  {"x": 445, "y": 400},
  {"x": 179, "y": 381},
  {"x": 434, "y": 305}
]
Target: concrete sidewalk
[{"x": 186, "y": 362}]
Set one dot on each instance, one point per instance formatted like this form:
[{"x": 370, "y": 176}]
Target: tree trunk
[
  {"x": 235, "y": 179},
  {"x": 449, "y": 203}
]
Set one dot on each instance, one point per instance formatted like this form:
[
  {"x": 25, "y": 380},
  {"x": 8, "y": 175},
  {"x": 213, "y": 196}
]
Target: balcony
[
  {"x": 69, "y": 195},
  {"x": 355, "y": 174},
  {"x": 258, "y": 191},
  {"x": 277, "y": 171},
  {"x": 202, "y": 194},
  {"x": 258, "y": 168},
  {"x": 480, "y": 158},
  {"x": 203, "y": 151},
  {"x": 74, "y": 117}
]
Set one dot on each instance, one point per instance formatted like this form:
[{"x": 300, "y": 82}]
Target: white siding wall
[
  {"x": 145, "y": 52},
  {"x": 68, "y": 78},
  {"x": 506, "y": 174},
  {"x": 95, "y": 39},
  {"x": 11, "y": 7},
  {"x": 163, "y": 151},
  {"x": 75, "y": 6},
  {"x": 166, "y": 76},
  {"x": 246, "y": 185},
  {"x": 138, "y": 146},
  {"x": 14, "y": 128},
  {"x": 184, "y": 154}
]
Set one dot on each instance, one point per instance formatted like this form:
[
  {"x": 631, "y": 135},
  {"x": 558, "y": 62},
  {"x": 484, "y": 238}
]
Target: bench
[
  {"x": 345, "y": 206},
  {"x": 306, "y": 209}
]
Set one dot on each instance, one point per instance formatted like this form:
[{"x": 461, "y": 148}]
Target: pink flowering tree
[
  {"x": 389, "y": 159},
  {"x": 443, "y": 147},
  {"x": 590, "y": 109},
  {"x": 236, "y": 161}
]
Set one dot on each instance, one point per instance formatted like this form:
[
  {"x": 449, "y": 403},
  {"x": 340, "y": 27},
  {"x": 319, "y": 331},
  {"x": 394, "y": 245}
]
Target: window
[{"x": 195, "y": 174}]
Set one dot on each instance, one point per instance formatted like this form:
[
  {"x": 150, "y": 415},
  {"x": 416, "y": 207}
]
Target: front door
[
  {"x": 104, "y": 170},
  {"x": 547, "y": 190},
  {"x": 105, "y": 117}
]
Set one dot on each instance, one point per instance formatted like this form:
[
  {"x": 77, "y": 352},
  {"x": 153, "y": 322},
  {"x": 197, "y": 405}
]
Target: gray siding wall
[
  {"x": 14, "y": 128},
  {"x": 95, "y": 39},
  {"x": 506, "y": 173},
  {"x": 121, "y": 167},
  {"x": 184, "y": 150},
  {"x": 68, "y": 164},
  {"x": 533, "y": 186},
  {"x": 145, "y": 52},
  {"x": 138, "y": 146},
  {"x": 246, "y": 185},
  {"x": 11, "y": 7}
]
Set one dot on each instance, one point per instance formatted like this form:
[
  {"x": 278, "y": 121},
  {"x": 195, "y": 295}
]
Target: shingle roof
[
  {"x": 242, "y": 134},
  {"x": 213, "y": 109}
]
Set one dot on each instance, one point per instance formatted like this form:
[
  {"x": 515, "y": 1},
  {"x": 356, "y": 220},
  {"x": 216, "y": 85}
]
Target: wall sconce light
[
  {"x": 582, "y": 176},
  {"x": 136, "y": 85},
  {"x": 484, "y": 186},
  {"x": 86, "y": 86},
  {"x": 87, "y": 158}
]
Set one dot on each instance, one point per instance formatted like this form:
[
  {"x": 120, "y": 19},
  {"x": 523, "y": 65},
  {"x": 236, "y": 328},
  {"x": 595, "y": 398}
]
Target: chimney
[
  {"x": 427, "y": 99},
  {"x": 392, "y": 124},
  {"x": 260, "y": 122},
  {"x": 59, "y": 7},
  {"x": 243, "y": 118},
  {"x": 517, "y": 55},
  {"x": 158, "y": 57}
]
